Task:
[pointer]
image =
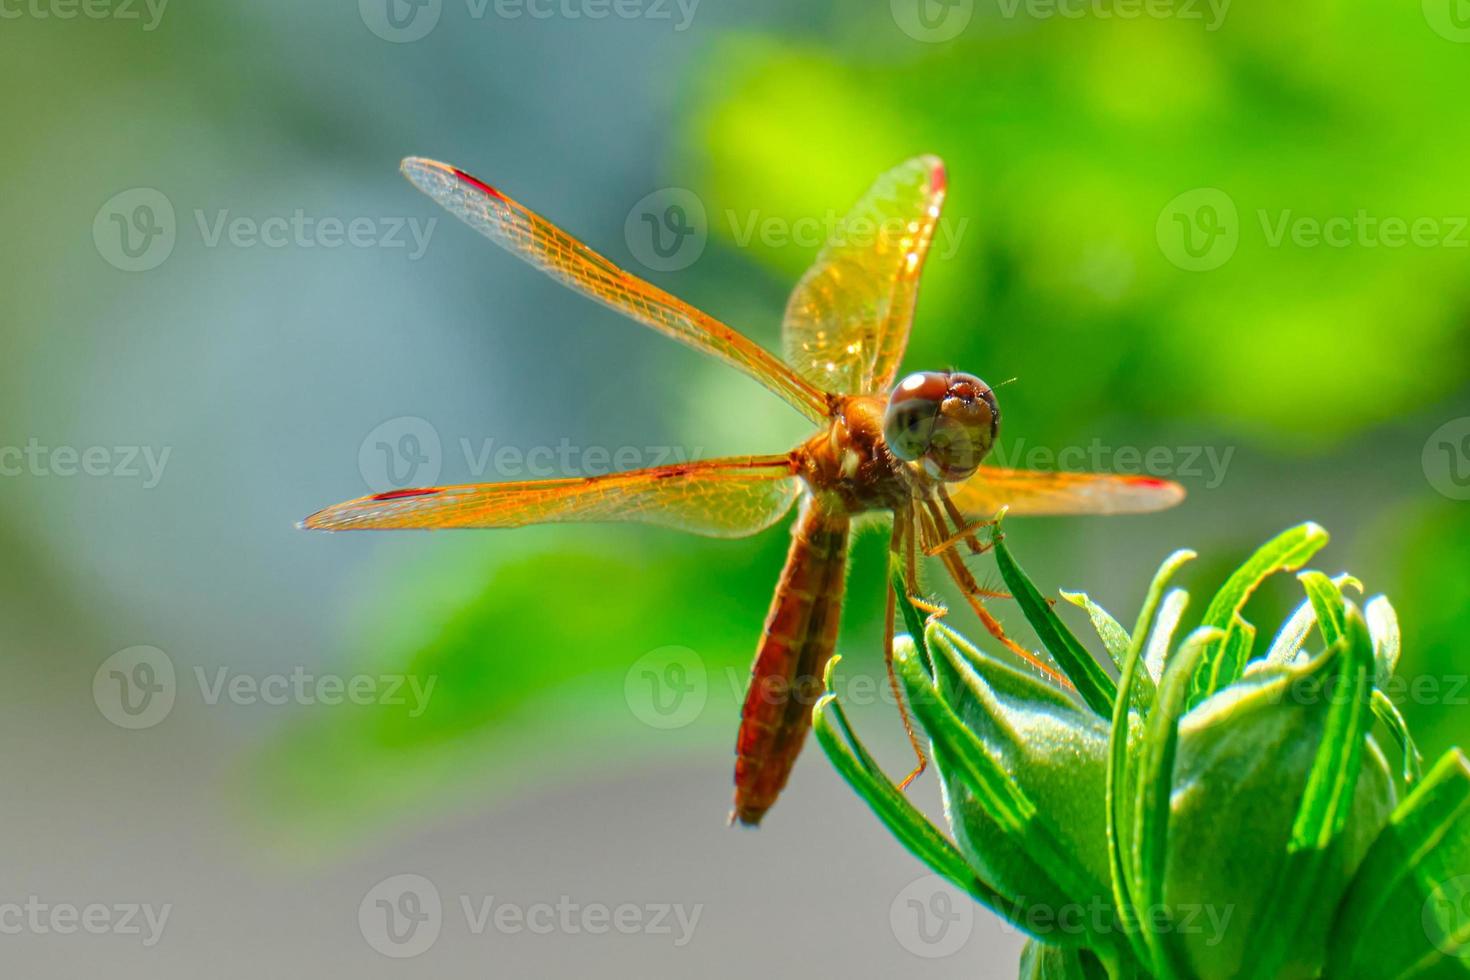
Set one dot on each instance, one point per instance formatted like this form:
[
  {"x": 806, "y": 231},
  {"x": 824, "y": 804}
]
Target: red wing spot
[
  {"x": 477, "y": 182},
  {"x": 1148, "y": 481},
  {"x": 937, "y": 179},
  {"x": 396, "y": 494}
]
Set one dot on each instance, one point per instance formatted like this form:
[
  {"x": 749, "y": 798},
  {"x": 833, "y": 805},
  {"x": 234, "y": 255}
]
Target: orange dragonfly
[{"x": 912, "y": 449}]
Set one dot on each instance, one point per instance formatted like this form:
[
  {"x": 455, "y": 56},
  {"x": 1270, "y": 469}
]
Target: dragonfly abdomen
[{"x": 786, "y": 678}]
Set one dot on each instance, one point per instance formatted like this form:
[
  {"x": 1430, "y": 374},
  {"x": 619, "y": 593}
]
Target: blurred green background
[{"x": 1227, "y": 239}]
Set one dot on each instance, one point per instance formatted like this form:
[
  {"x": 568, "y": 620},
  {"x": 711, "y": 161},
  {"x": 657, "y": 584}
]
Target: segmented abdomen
[{"x": 786, "y": 678}]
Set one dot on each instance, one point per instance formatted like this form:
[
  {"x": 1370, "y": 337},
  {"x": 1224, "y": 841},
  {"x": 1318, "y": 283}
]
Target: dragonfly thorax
[{"x": 850, "y": 461}]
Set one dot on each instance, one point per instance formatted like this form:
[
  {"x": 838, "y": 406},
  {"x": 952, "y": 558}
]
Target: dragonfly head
[{"x": 945, "y": 420}]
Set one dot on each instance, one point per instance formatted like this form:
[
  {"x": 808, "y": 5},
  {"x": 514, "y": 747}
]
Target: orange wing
[
  {"x": 561, "y": 256},
  {"x": 722, "y": 498},
  {"x": 1029, "y": 493},
  {"x": 848, "y": 320}
]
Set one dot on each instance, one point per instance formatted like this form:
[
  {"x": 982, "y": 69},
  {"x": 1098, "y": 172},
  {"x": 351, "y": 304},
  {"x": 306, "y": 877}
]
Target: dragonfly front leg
[
  {"x": 902, "y": 544},
  {"x": 975, "y": 595}
]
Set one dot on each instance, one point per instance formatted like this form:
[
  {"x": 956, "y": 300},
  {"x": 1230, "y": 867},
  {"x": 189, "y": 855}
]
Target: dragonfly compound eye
[
  {"x": 947, "y": 420},
  {"x": 913, "y": 409},
  {"x": 964, "y": 432}
]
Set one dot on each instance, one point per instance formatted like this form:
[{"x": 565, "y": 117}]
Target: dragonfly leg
[
  {"x": 975, "y": 596},
  {"x": 903, "y": 542},
  {"x": 966, "y": 533}
]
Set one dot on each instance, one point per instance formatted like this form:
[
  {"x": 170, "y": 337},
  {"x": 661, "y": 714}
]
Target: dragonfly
[{"x": 911, "y": 447}]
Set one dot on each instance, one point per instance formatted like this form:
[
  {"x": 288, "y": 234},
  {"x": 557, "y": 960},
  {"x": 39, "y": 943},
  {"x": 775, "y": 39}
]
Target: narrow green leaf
[
  {"x": 1109, "y": 630},
  {"x": 1327, "y": 799},
  {"x": 1388, "y": 713},
  {"x": 1286, "y": 647},
  {"x": 1383, "y": 623},
  {"x": 893, "y": 808},
  {"x": 912, "y": 621},
  {"x": 1126, "y": 887},
  {"x": 1407, "y": 911},
  {"x": 1093, "y": 684},
  {"x": 1151, "y": 600},
  {"x": 1161, "y": 640},
  {"x": 1288, "y": 551},
  {"x": 1116, "y": 641},
  {"x": 1233, "y": 654},
  {"x": 1155, "y": 787},
  {"x": 1328, "y": 605}
]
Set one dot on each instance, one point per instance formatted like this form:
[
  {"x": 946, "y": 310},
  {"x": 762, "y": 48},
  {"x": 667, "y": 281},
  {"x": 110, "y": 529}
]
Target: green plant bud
[
  {"x": 1243, "y": 760},
  {"x": 1056, "y": 753}
]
